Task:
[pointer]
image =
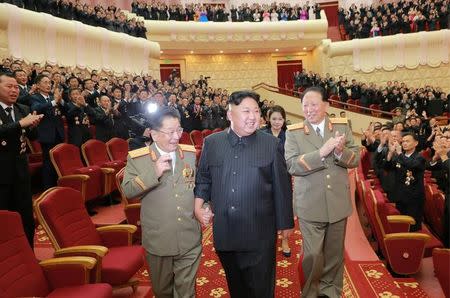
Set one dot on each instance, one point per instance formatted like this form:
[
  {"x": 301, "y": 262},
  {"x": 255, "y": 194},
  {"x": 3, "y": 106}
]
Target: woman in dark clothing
[{"x": 276, "y": 126}]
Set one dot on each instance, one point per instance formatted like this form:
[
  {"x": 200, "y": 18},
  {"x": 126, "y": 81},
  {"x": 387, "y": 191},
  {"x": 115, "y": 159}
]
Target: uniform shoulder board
[
  {"x": 339, "y": 120},
  {"x": 295, "y": 126},
  {"x": 139, "y": 152},
  {"x": 189, "y": 148}
]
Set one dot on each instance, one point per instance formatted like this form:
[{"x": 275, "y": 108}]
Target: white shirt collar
[
  {"x": 172, "y": 155},
  {"x": 321, "y": 126},
  {"x": 4, "y": 106}
]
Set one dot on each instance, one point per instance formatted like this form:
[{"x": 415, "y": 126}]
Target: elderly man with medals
[{"x": 163, "y": 176}]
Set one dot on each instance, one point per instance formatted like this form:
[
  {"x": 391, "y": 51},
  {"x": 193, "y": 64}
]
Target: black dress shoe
[{"x": 287, "y": 254}]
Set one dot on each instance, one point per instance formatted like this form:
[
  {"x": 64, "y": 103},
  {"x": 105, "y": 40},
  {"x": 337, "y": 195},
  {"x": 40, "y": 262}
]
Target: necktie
[
  {"x": 318, "y": 132},
  {"x": 8, "y": 111}
]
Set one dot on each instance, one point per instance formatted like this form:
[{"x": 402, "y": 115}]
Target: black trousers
[
  {"x": 16, "y": 196},
  {"x": 49, "y": 175},
  {"x": 250, "y": 274},
  {"x": 413, "y": 208}
]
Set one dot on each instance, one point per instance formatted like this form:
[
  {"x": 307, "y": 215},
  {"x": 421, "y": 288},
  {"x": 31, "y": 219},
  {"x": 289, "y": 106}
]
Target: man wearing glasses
[{"x": 163, "y": 176}]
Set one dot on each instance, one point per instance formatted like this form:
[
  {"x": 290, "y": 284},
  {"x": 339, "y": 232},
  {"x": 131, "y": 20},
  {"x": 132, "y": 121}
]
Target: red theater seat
[
  {"x": 185, "y": 138},
  {"x": 206, "y": 132},
  {"x": 22, "y": 276},
  {"x": 441, "y": 263},
  {"x": 403, "y": 251},
  {"x": 91, "y": 181},
  {"x": 197, "y": 138},
  {"x": 61, "y": 212},
  {"x": 132, "y": 207},
  {"x": 96, "y": 154},
  {"x": 117, "y": 149}
]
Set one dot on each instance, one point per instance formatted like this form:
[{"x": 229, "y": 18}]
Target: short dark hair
[
  {"x": 410, "y": 133},
  {"x": 236, "y": 97},
  {"x": 280, "y": 110},
  {"x": 316, "y": 90},
  {"x": 71, "y": 90},
  {"x": 6, "y": 74},
  {"x": 40, "y": 77},
  {"x": 155, "y": 119},
  {"x": 114, "y": 88},
  {"x": 14, "y": 73}
]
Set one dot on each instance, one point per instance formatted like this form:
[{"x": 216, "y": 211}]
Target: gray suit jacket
[
  {"x": 169, "y": 227},
  {"x": 321, "y": 187}
]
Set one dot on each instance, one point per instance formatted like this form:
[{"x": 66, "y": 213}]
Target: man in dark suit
[
  {"x": 242, "y": 176},
  {"x": 51, "y": 129},
  {"x": 24, "y": 90},
  {"x": 120, "y": 114},
  {"x": 103, "y": 120},
  {"x": 90, "y": 94},
  {"x": 78, "y": 118},
  {"x": 409, "y": 168},
  {"x": 15, "y": 182}
]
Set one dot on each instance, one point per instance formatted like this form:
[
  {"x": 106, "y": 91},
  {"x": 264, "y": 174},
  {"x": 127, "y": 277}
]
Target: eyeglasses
[{"x": 178, "y": 132}]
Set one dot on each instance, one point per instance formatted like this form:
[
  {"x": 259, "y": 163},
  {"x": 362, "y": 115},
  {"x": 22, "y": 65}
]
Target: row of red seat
[{"x": 403, "y": 250}]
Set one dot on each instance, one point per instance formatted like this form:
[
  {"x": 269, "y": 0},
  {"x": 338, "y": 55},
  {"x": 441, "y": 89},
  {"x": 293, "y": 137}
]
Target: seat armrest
[
  {"x": 76, "y": 181},
  {"x": 67, "y": 271},
  {"x": 117, "y": 235},
  {"x": 109, "y": 180},
  {"x": 94, "y": 251},
  {"x": 400, "y": 223}
]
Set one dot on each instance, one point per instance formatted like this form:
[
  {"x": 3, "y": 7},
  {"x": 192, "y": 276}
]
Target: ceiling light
[
  {"x": 249, "y": 51},
  {"x": 161, "y": 52},
  {"x": 276, "y": 50},
  {"x": 221, "y": 51},
  {"x": 304, "y": 49},
  {"x": 192, "y": 52}
]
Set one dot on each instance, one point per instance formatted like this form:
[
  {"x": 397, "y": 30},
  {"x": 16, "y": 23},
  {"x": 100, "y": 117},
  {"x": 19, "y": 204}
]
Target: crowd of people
[
  {"x": 433, "y": 100},
  {"x": 403, "y": 16},
  {"x": 399, "y": 161},
  {"x": 111, "y": 18},
  {"x": 219, "y": 13}
]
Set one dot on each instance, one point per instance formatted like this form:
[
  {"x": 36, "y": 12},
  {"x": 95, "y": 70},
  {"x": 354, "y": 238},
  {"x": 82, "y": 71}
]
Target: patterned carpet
[{"x": 369, "y": 279}]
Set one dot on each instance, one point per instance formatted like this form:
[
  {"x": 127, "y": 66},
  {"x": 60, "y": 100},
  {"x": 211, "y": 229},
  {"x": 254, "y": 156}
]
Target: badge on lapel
[{"x": 189, "y": 177}]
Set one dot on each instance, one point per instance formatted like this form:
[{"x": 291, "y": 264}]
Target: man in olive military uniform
[
  {"x": 318, "y": 153},
  {"x": 15, "y": 183},
  {"x": 163, "y": 175}
]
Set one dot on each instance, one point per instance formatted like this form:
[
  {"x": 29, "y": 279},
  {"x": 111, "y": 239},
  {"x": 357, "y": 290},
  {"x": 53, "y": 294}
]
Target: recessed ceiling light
[
  {"x": 192, "y": 52},
  {"x": 304, "y": 49},
  {"x": 276, "y": 50},
  {"x": 221, "y": 51},
  {"x": 249, "y": 51}
]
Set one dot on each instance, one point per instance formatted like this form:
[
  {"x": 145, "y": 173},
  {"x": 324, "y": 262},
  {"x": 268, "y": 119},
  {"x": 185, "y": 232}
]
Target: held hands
[
  {"x": 57, "y": 95},
  {"x": 163, "y": 164},
  {"x": 203, "y": 215},
  {"x": 31, "y": 120}
]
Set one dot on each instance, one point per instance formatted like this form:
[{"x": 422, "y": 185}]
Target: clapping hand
[
  {"x": 31, "y": 120},
  {"x": 340, "y": 143}
]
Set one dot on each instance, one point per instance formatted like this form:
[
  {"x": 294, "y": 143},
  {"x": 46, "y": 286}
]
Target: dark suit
[
  {"x": 410, "y": 196},
  {"x": 103, "y": 125},
  {"x": 78, "y": 124},
  {"x": 24, "y": 97},
  {"x": 246, "y": 182},
  {"x": 50, "y": 132},
  {"x": 92, "y": 98},
  {"x": 121, "y": 121},
  {"x": 185, "y": 118},
  {"x": 15, "y": 182}
]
